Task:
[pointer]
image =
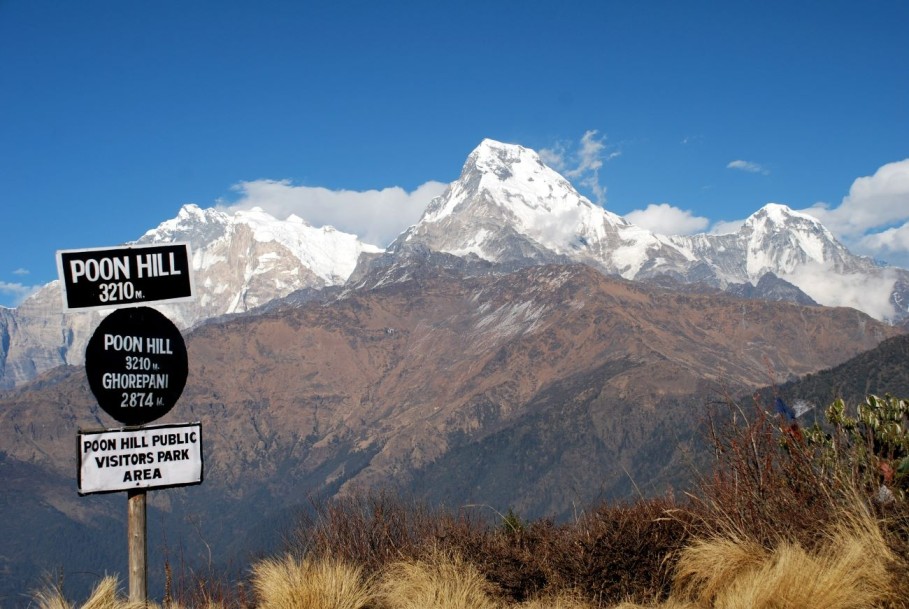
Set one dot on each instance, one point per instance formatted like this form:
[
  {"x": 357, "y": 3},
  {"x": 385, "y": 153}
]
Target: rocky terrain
[
  {"x": 240, "y": 262},
  {"x": 540, "y": 389}
]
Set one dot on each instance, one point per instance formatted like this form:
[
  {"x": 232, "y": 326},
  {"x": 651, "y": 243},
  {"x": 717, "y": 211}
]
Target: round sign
[{"x": 136, "y": 365}]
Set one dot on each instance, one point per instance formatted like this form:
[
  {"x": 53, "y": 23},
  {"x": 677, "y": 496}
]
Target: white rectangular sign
[{"x": 147, "y": 457}]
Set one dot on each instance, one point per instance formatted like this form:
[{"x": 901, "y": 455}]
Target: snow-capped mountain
[
  {"x": 775, "y": 239},
  {"x": 506, "y": 210},
  {"x": 248, "y": 258},
  {"x": 240, "y": 261},
  {"x": 508, "y": 207}
]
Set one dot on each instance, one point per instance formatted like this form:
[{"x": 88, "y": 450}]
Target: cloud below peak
[
  {"x": 17, "y": 291},
  {"x": 375, "y": 216},
  {"x": 666, "y": 219}
]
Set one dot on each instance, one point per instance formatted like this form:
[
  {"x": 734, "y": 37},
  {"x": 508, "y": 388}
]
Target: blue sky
[{"x": 114, "y": 114}]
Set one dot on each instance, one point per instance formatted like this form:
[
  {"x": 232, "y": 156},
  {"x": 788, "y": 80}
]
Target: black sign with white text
[
  {"x": 136, "y": 365},
  {"x": 124, "y": 276}
]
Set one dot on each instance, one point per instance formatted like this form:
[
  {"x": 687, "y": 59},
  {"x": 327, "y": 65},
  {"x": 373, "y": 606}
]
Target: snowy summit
[{"x": 508, "y": 206}]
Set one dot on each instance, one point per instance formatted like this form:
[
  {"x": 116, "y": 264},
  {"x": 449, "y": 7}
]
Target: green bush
[{"x": 869, "y": 449}]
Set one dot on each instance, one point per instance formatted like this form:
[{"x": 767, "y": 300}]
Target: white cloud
[
  {"x": 891, "y": 245},
  {"x": 21, "y": 272},
  {"x": 582, "y": 164},
  {"x": 870, "y": 294},
  {"x": 554, "y": 157},
  {"x": 724, "y": 227},
  {"x": 588, "y": 155},
  {"x": 874, "y": 217},
  {"x": 749, "y": 166},
  {"x": 15, "y": 293},
  {"x": 873, "y": 202},
  {"x": 667, "y": 220},
  {"x": 375, "y": 216}
]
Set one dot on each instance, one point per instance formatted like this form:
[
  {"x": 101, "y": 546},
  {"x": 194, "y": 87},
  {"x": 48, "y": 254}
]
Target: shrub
[
  {"x": 777, "y": 487},
  {"x": 765, "y": 485},
  {"x": 871, "y": 449},
  {"x": 619, "y": 551},
  {"x": 377, "y": 529}
]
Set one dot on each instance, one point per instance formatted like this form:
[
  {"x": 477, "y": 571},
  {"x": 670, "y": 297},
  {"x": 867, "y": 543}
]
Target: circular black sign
[{"x": 136, "y": 365}]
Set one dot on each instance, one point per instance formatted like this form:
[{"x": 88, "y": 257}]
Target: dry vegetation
[{"x": 789, "y": 518}]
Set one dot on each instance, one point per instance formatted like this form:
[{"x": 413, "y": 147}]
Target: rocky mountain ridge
[
  {"x": 508, "y": 207},
  {"x": 399, "y": 368},
  {"x": 240, "y": 261},
  {"x": 507, "y": 210}
]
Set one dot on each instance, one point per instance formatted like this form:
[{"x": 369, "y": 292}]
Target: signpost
[
  {"x": 103, "y": 278},
  {"x": 137, "y": 365}
]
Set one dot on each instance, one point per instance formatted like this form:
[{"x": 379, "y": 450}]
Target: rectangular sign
[
  {"x": 124, "y": 276},
  {"x": 156, "y": 456}
]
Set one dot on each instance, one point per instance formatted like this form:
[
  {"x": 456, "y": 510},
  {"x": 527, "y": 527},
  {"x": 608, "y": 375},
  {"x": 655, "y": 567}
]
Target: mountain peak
[
  {"x": 509, "y": 207},
  {"x": 778, "y": 214},
  {"x": 775, "y": 218},
  {"x": 192, "y": 224},
  {"x": 491, "y": 154},
  {"x": 190, "y": 211},
  {"x": 493, "y": 164},
  {"x": 782, "y": 240}
]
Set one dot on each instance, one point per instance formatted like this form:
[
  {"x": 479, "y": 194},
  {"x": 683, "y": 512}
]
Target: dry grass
[
  {"x": 708, "y": 566},
  {"x": 51, "y": 597},
  {"x": 442, "y": 581},
  {"x": 610, "y": 553},
  {"x": 289, "y": 583},
  {"x": 850, "y": 571},
  {"x": 564, "y": 600},
  {"x": 775, "y": 526},
  {"x": 104, "y": 596},
  {"x": 851, "y": 566},
  {"x": 670, "y": 603}
]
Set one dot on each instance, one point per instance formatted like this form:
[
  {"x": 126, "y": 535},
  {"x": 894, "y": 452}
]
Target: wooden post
[{"x": 138, "y": 547}]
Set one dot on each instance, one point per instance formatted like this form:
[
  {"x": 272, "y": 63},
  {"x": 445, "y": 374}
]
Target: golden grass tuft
[
  {"x": 849, "y": 571},
  {"x": 289, "y": 583},
  {"x": 104, "y": 596},
  {"x": 707, "y": 566},
  {"x": 443, "y": 581},
  {"x": 51, "y": 597}
]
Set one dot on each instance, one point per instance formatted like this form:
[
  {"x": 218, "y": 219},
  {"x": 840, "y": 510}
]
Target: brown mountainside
[
  {"x": 880, "y": 371},
  {"x": 382, "y": 383},
  {"x": 542, "y": 390}
]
